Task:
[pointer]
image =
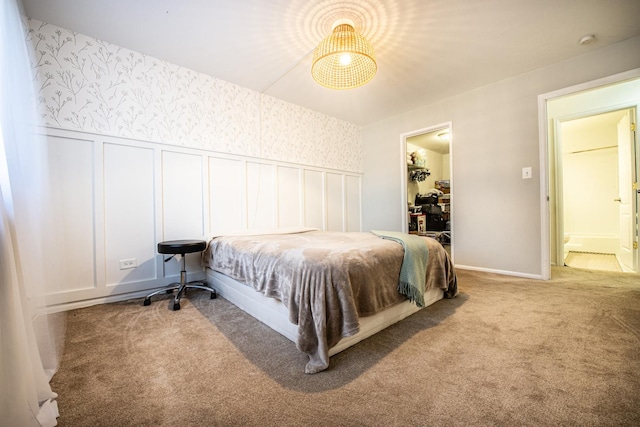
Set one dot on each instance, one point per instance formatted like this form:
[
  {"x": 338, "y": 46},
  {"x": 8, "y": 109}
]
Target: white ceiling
[{"x": 426, "y": 50}]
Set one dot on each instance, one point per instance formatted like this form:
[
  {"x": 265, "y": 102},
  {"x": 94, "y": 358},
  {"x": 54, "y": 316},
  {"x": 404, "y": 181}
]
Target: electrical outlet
[
  {"x": 526, "y": 173},
  {"x": 126, "y": 264}
]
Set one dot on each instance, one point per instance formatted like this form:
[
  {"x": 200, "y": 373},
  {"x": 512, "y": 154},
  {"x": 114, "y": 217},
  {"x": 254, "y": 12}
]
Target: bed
[{"x": 325, "y": 291}]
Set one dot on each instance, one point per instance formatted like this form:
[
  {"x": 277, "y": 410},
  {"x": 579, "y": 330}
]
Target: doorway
[
  {"x": 619, "y": 92},
  {"x": 427, "y": 187},
  {"x": 595, "y": 174}
]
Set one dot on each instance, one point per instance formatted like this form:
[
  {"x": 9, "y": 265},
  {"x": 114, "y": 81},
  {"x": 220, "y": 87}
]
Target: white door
[{"x": 626, "y": 196}]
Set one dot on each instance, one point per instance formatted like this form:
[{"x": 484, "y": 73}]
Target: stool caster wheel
[
  {"x": 214, "y": 295},
  {"x": 176, "y": 306},
  {"x": 147, "y": 301}
]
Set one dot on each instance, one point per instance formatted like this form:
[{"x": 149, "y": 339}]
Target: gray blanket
[{"x": 327, "y": 280}]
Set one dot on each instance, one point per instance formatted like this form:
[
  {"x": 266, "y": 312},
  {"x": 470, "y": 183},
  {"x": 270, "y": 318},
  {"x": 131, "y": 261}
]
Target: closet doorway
[
  {"x": 427, "y": 186},
  {"x": 596, "y": 164}
]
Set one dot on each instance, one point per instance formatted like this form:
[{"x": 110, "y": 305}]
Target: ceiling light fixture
[
  {"x": 344, "y": 59},
  {"x": 444, "y": 136}
]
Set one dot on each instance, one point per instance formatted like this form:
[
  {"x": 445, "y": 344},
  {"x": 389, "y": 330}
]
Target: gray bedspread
[{"x": 327, "y": 280}]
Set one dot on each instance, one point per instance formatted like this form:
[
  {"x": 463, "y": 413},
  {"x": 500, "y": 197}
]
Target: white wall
[
  {"x": 496, "y": 219},
  {"x": 446, "y": 166}
]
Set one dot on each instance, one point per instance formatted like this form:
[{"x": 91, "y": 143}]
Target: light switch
[{"x": 526, "y": 173}]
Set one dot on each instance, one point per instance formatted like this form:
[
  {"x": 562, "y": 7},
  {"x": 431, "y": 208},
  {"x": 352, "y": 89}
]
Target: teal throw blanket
[{"x": 413, "y": 272}]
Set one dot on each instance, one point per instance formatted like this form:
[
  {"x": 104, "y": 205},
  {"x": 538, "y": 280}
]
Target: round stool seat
[{"x": 181, "y": 246}]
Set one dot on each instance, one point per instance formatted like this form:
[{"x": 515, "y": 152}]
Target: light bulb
[{"x": 345, "y": 59}]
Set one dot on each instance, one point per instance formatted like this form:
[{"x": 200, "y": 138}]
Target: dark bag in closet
[
  {"x": 426, "y": 199},
  {"x": 432, "y": 209},
  {"x": 435, "y": 223}
]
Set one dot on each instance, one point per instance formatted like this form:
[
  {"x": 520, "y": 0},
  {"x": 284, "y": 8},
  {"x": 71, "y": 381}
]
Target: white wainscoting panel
[
  {"x": 353, "y": 203},
  {"x": 182, "y": 204},
  {"x": 314, "y": 212},
  {"x": 335, "y": 202},
  {"x": 71, "y": 177},
  {"x": 182, "y": 196},
  {"x": 261, "y": 196},
  {"x": 116, "y": 198},
  {"x": 129, "y": 212},
  {"x": 226, "y": 194},
  {"x": 289, "y": 197}
]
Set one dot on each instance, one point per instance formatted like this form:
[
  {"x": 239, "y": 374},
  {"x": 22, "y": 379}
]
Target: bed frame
[{"x": 274, "y": 314}]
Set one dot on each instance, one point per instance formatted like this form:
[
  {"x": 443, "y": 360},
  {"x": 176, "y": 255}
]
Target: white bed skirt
[{"x": 274, "y": 314}]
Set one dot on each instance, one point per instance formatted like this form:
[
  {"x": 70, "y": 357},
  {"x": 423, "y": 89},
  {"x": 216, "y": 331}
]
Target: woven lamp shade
[{"x": 343, "y": 60}]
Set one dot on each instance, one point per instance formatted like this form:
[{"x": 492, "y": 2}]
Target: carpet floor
[{"x": 507, "y": 351}]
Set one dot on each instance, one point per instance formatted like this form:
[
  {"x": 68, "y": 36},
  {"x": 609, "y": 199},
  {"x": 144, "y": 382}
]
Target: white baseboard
[
  {"x": 95, "y": 301},
  {"x": 606, "y": 244},
  {"x": 503, "y": 272},
  {"x": 142, "y": 291}
]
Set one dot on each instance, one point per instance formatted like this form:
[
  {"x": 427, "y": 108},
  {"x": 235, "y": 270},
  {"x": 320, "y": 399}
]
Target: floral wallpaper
[
  {"x": 297, "y": 134},
  {"x": 90, "y": 85}
]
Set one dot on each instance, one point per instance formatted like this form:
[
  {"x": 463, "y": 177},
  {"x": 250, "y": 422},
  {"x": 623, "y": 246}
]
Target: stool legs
[{"x": 182, "y": 288}]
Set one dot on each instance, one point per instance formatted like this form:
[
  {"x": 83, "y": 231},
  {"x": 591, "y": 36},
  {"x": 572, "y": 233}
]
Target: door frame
[
  {"x": 403, "y": 174},
  {"x": 545, "y": 167}
]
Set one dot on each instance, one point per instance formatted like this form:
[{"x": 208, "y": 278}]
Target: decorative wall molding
[
  {"x": 90, "y": 85},
  {"x": 116, "y": 198}
]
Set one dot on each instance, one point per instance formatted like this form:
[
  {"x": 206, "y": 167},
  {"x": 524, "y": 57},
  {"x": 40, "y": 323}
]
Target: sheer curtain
[{"x": 28, "y": 357}]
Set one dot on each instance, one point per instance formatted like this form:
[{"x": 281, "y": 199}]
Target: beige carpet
[
  {"x": 592, "y": 261},
  {"x": 506, "y": 352}
]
